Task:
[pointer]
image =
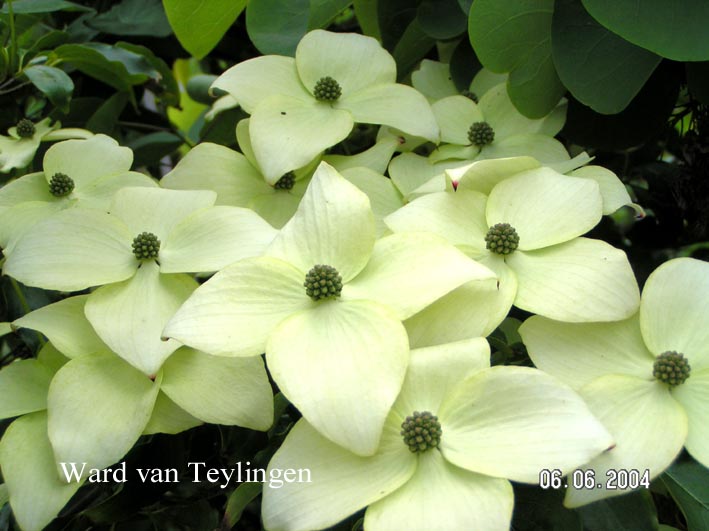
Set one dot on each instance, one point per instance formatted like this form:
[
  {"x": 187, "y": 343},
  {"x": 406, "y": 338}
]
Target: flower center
[
  {"x": 327, "y": 89},
  {"x": 481, "y": 134},
  {"x": 421, "y": 431},
  {"x": 25, "y": 128},
  {"x": 474, "y": 97},
  {"x": 286, "y": 182},
  {"x": 502, "y": 239},
  {"x": 61, "y": 185},
  {"x": 146, "y": 246},
  {"x": 671, "y": 368},
  {"x": 323, "y": 282}
]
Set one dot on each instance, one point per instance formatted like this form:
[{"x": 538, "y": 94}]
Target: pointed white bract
[
  {"x": 290, "y": 126},
  {"x": 486, "y": 436},
  {"x": 356, "y": 340},
  {"x": 616, "y": 368}
]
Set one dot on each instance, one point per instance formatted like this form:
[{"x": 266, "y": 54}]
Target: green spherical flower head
[
  {"x": 502, "y": 239},
  {"x": 146, "y": 246},
  {"x": 327, "y": 89},
  {"x": 471, "y": 96},
  {"x": 481, "y": 134},
  {"x": 421, "y": 431},
  {"x": 323, "y": 282},
  {"x": 287, "y": 182},
  {"x": 25, "y": 128},
  {"x": 671, "y": 367},
  {"x": 61, "y": 185}
]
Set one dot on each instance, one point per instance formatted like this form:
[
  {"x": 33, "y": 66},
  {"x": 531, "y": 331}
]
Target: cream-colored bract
[
  {"x": 461, "y": 485},
  {"x": 260, "y": 305},
  {"x": 611, "y": 365},
  {"x": 290, "y": 127},
  {"x": 556, "y": 273}
]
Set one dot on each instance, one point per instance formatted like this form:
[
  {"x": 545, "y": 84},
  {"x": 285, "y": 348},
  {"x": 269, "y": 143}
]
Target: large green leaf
[
  {"x": 276, "y": 27},
  {"x": 688, "y": 483},
  {"x": 134, "y": 17},
  {"x": 411, "y": 48},
  {"x": 42, "y": 6},
  {"x": 631, "y": 512},
  {"x": 600, "y": 69},
  {"x": 366, "y": 13},
  {"x": 238, "y": 500},
  {"x": 200, "y": 27},
  {"x": 394, "y": 16},
  {"x": 104, "y": 119},
  {"x": 441, "y": 19},
  {"x": 53, "y": 82},
  {"x": 168, "y": 90},
  {"x": 515, "y": 36},
  {"x": 645, "y": 116},
  {"x": 322, "y": 12},
  {"x": 114, "y": 66},
  {"x": 676, "y": 30}
]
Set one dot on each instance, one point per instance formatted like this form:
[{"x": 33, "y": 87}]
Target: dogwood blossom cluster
[{"x": 367, "y": 282}]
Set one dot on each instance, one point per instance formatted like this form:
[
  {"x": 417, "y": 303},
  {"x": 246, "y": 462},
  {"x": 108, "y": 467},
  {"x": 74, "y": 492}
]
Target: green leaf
[
  {"x": 600, "y": 69},
  {"x": 104, "y": 119},
  {"x": 441, "y": 19},
  {"x": 198, "y": 88},
  {"x": 632, "y": 512},
  {"x": 53, "y": 82},
  {"x": 366, "y": 13},
  {"x": 149, "y": 149},
  {"x": 676, "y": 30},
  {"x": 394, "y": 17},
  {"x": 411, "y": 48},
  {"x": 515, "y": 36},
  {"x": 465, "y": 5},
  {"x": 47, "y": 41},
  {"x": 645, "y": 116},
  {"x": 464, "y": 65},
  {"x": 114, "y": 66},
  {"x": 276, "y": 27},
  {"x": 168, "y": 91},
  {"x": 688, "y": 483},
  {"x": 199, "y": 28},
  {"x": 134, "y": 17},
  {"x": 238, "y": 500},
  {"x": 322, "y": 12},
  {"x": 42, "y": 6}
]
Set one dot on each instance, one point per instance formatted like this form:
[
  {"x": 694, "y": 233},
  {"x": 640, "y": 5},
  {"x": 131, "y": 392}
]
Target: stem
[
  {"x": 17, "y": 87},
  {"x": 25, "y": 307}
]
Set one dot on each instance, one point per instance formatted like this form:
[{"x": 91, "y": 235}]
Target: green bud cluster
[
  {"x": 421, "y": 431},
  {"x": 25, "y": 128},
  {"x": 61, "y": 185},
  {"x": 287, "y": 182},
  {"x": 327, "y": 89},
  {"x": 323, "y": 282},
  {"x": 502, "y": 239},
  {"x": 481, "y": 134},
  {"x": 470, "y": 96},
  {"x": 146, "y": 246},
  {"x": 671, "y": 368}
]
